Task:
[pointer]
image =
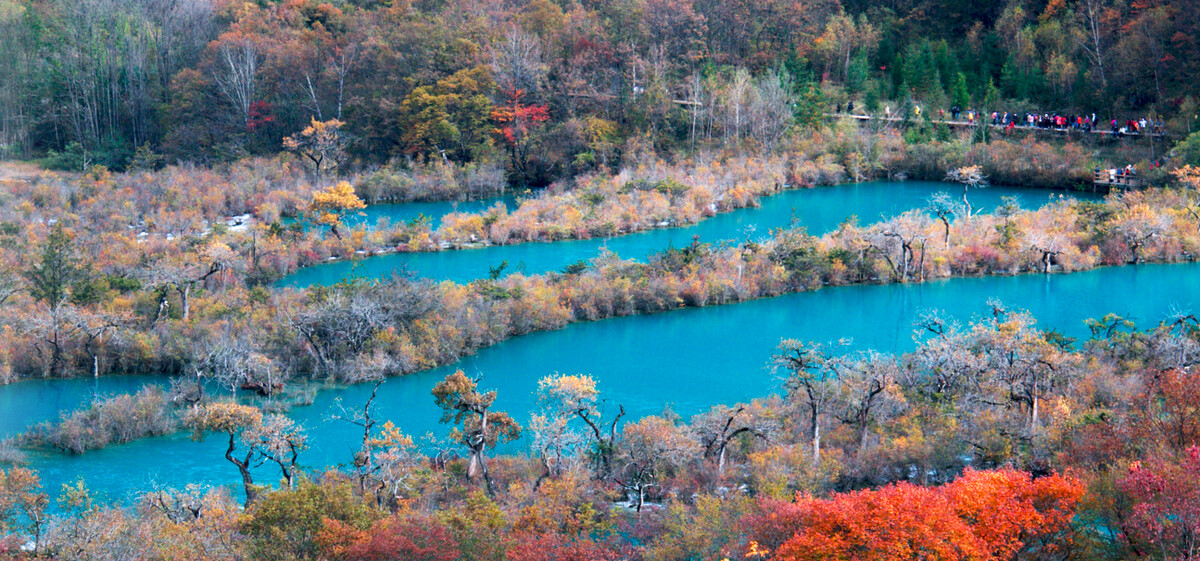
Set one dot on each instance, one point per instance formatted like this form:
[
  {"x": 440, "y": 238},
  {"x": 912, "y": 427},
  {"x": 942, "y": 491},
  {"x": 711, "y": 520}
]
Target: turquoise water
[
  {"x": 30, "y": 402},
  {"x": 398, "y": 213},
  {"x": 820, "y": 210},
  {"x": 687, "y": 359}
]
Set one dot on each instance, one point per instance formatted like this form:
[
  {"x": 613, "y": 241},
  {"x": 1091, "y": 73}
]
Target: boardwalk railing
[{"x": 1116, "y": 179}]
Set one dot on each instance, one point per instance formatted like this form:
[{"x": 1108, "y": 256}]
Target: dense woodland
[
  {"x": 171, "y": 159},
  {"x": 548, "y": 89}
]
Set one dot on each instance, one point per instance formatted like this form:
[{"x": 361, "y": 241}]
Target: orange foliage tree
[
  {"x": 322, "y": 143},
  {"x": 331, "y": 204},
  {"x": 983, "y": 515}
]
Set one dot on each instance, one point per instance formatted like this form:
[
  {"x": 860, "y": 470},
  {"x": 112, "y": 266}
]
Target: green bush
[{"x": 1187, "y": 151}]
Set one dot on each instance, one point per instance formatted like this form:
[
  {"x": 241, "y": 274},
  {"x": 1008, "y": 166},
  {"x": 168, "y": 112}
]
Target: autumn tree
[
  {"x": 897, "y": 522},
  {"x": 449, "y": 119},
  {"x": 331, "y": 205},
  {"x": 651, "y": 450},
  {"x": 414, "y": 537},
  {"x": 288, "y": 524},
  {"x": 517, "y": 127},
  {"x": 843, "y": 39},
  {"x": 23, "y": 506},
  {"x": 561, "y": 399},
  {"x": 478, "y": 427},
  {"x": 1165, "y": 513},
  {"x": 982, "y": 515},
  {"x": 322, "y": 143},
  {"x": 262, "y": 438}
]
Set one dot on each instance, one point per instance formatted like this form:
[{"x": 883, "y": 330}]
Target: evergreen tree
[{"x": 51, "y": 277}]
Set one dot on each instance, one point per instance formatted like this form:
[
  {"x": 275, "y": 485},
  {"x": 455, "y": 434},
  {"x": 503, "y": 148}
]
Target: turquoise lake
[
  {"x": 820, "y": 210},
  {"x": 686, "y": 359}
]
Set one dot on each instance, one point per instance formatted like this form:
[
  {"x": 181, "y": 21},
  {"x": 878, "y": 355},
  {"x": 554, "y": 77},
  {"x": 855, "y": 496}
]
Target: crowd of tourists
[
  {"x": 1114, "y": 174},
  {"x": 1045, "y": 121},
  {"x": 1061, "y": 122}
]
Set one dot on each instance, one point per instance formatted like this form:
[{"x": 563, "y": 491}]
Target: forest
[
  {"x": 166, "y": 166},
  {"x": 545, "y": 90}
]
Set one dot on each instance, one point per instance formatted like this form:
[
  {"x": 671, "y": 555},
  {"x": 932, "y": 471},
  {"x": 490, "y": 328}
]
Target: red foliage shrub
[{"x": 411, "y": 539}]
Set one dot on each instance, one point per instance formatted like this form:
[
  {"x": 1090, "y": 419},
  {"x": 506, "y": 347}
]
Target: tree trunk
[
  {"x": 243, "y": 469},
  {"x": 185, "y": 292},
  {"x": 816, "y": 438},
  {"x": 1033, "y": 419}
]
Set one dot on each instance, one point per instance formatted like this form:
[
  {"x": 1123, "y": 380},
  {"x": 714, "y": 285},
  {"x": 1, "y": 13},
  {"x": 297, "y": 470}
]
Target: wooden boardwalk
[
  {"x": 968, "y": 124},
  {"x": 1115, "y": 179}
]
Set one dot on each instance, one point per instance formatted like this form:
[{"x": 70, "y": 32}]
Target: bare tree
[
  {"x": 236, "y": 76},
  {"x": 1139, "y": 226},
  {"x": 867, "y": 391},
  {"x": 733, "y": 106},
  {"x": 811, "y": 383},
  {"x": 1047, "y": 245},
  {"x": 899, "y": 241},
  {"x": 94, "y": 327},
  {"x": 278, "y": 440},
  {"x": 560, "y": 399},
  {"x": 650, "y": 448},
  {"x": 971, "y": 177},
  {"x": 516, "y": 61},
  {"x": 719, "y": 426},
  {"x": 604, "y": 440},
  {"x": 1094, "y": 18},
  {"x": 770, "y": 109}
]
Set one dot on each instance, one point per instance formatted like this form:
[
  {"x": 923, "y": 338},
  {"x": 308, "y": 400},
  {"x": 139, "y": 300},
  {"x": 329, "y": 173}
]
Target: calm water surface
[
  {"x": 820, "y": 210},
  {"x": 396, "y": 213}
]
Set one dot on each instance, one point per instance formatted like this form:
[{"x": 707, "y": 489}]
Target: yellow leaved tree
[{"x": 330, "y": 205}]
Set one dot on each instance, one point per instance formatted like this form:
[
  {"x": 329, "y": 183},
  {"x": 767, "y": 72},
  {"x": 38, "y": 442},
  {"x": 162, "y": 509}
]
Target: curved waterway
[
  {"x": 820, "y": 210},
  {"x": 688, "y": 359}
]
